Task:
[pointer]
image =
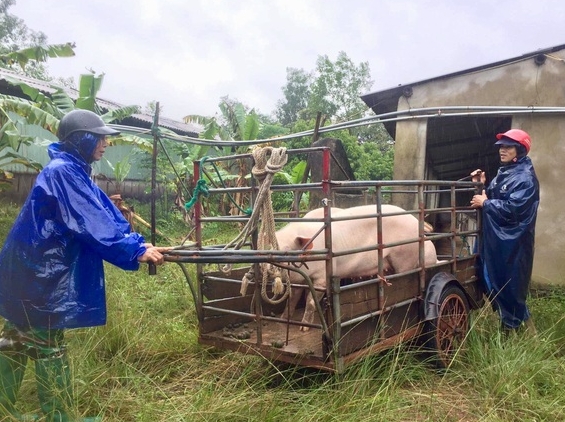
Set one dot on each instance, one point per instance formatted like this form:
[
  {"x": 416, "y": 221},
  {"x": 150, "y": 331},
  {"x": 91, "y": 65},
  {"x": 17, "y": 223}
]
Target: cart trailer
[{"x": 355, "y": 317}]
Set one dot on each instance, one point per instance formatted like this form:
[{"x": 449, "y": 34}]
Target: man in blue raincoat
[
  {"x": 51, "y": 265},
  {"x": 509, "y": 210}
]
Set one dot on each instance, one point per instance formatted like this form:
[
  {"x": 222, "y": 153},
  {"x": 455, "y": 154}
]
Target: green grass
[{"x": 146, "y": 365}]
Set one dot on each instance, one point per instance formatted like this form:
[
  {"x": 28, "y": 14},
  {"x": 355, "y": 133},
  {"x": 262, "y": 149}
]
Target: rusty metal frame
[{"x": 332, "y": 327}]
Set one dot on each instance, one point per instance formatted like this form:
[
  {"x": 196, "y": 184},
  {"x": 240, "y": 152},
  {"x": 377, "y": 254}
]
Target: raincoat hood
[{"x": 80, "y": 145}]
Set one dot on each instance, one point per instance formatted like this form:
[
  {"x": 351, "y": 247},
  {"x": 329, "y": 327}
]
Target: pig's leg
[
  {"x": 430, "y": 254},
  {"x": 310, "y": 309},
  {"x": 292, "y": 301}
]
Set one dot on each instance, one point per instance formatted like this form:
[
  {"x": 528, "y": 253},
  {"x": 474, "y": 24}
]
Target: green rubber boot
[
  {"x": 54, "y": 389},
  {"x": 12, "y": 370}
]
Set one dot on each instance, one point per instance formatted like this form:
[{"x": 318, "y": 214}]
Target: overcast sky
[{"x": 187, "y": 54}]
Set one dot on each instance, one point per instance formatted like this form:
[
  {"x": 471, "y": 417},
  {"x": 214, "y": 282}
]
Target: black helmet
[{"x": 83, "y": 121}]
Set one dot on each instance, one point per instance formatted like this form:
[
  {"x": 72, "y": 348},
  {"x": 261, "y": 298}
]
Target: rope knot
[
  {"x": 200, "y": 189},
  {"x": 263, "y": 216},
  {"x": 247, "y": 278}
]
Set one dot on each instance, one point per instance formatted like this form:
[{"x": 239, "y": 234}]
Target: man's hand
[
  {"x": 478, "y": 200},
  {"x": 478, "y": 176},
  {"x": 154, "y": 254}
]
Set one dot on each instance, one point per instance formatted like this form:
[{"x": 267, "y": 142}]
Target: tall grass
[{"x": 146, "y": 365}]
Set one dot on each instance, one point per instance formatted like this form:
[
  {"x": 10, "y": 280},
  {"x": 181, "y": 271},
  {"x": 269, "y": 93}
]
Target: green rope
[{"x": 202, "y": 189}]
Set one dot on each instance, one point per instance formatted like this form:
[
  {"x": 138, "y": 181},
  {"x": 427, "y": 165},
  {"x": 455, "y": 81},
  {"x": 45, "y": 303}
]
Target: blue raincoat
[
  {"x": 507, "y": 246},
  {"x": 51, "y": 265}
]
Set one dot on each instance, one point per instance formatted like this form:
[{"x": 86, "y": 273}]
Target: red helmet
[{"x": 517, "y": 135}]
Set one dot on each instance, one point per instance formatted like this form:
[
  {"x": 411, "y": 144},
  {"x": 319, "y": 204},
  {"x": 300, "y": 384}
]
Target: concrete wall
[{"x": 521, "y": 83}]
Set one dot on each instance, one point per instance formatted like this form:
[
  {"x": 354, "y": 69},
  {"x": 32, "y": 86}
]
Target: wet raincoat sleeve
[
  {"x": 90, "y": 217},
  {"x": 51, "y": 264},
  {"x": 516, "y": 209}
]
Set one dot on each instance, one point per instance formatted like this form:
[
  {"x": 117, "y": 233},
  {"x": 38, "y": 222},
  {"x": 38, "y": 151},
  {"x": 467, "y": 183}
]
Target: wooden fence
[{"x": 136, "y": 189}]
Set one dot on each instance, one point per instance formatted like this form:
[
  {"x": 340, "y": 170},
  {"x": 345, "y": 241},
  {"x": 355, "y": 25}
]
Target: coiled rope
[{"x": 268, "y": 161}]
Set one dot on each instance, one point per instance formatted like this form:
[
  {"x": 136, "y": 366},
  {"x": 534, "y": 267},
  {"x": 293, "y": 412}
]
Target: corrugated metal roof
[
  {"x": 141, "y": 120},
  {"x": 146, "y": 121},
  {"x": 44, "y": 86}
]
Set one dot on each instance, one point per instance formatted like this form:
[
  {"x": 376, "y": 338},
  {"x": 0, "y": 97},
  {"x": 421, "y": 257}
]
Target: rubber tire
[{"x": 445, "y": 334}]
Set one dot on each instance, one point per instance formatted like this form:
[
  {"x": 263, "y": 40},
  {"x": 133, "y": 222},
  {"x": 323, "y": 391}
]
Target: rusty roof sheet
[{"x": 142, "y": 120}]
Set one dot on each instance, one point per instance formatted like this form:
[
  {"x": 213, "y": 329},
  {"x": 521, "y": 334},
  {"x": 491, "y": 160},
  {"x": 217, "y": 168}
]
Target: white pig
[{"x": 353, "y": 234}]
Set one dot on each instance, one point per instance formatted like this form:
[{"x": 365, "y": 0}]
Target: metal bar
[
  {"x": 227, "y": 311},
  {"x": 313, "y": 290},
  {"x": 193, "y": 290},
  {"x": 151, "y": 266},
  {"x": 335, "y": 335},
  {"x": 395, "y": 116},
  {"x": 378, "y": 312},
  {"x": 453, "y": 229},
  {"x": 256, "y": 267},
  {"x": 198, "y": 237},
  {"x": 330, "y": 321},
  {"x": 421, "y": 234},
  {"x": 380, "y": 264}
]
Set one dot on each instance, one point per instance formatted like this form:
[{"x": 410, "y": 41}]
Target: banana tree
[
  {"x": 16, "y": 131},
  {"x": 38, "y": 53},
  {"x": 35, "y": 121},
  {"x": 234, "y": 124},
  {"x": 88, "y": 88}
]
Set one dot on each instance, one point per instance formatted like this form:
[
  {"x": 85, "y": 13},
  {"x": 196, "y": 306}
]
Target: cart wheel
[{"x": 446, "y": 333}]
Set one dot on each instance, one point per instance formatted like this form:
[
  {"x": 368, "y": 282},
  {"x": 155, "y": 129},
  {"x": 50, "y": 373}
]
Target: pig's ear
[{"x": 302, "y": 241}]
